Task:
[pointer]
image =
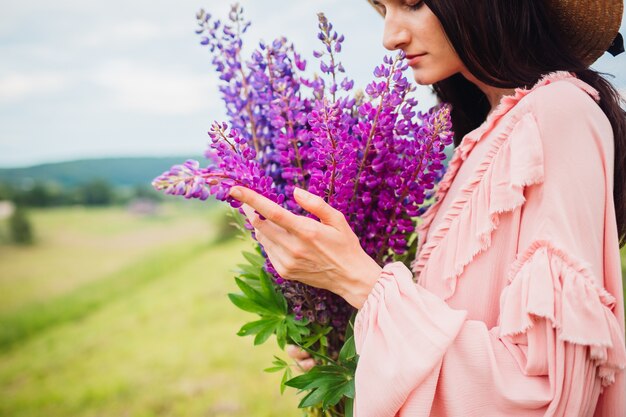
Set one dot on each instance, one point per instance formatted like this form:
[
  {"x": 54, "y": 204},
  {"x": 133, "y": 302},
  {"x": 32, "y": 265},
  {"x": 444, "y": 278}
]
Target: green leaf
[
  {"x": 265, "y": 333},
  {"x": 334, "y": 395},
  {"x": 312, "y": 398},
  {"x": 256, "y": 260},
  {"x": 250, "y": 292},
  {"x": 349, "y": 407},
  {"x": 348, "y": 351},
  {"x": 248, "y": 269},
  {"x": 349, "y": 390},
  {"x": 286, "y": 376},
  {"x": 295, "y": 329},
  {"x": 350, "y": 326},
  {"x": 317, "y": 335},
  {"x": 247, "y": 304},
  {"x": 279, "y": 361},
  {"x": 318, "y": 376},
  {"x": 281, "y": 334},
  {"x": 253, "y": 327},
  {"x": 274, "y": 369},
  {"x": 273, "y": 296}
]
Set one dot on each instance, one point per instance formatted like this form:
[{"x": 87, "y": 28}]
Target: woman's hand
[
  {"x": 304, "y": 361},
  {"x": 325, "y": 254}
]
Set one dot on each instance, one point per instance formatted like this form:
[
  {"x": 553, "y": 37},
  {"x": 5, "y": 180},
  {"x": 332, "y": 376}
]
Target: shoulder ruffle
[
  {"x": 513, "y": 162},
  {"x": 545, "y": 282},
  {"x": 496, "y": 187}
]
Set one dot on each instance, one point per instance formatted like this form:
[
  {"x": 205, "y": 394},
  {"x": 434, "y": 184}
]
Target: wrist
[{"x": 360, "y": 283}]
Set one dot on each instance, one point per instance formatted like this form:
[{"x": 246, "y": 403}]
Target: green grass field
[
  {"x": 116, "y": 315},
  {"x": 111, "y": 314}
]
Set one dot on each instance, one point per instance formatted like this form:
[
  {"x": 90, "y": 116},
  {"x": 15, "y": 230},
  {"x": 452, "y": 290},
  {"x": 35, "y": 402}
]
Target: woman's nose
[{"x": 395, "y": 36}]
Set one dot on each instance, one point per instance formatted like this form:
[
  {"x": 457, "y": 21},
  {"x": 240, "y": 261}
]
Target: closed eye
[{"x": 415, "y": 6}]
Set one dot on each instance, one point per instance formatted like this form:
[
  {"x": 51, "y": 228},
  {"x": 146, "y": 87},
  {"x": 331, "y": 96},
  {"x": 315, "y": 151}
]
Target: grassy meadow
[{"x": 113, "y": 314}]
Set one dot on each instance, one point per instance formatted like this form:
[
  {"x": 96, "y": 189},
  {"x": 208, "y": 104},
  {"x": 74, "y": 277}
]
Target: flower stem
[
  {"x": 371, "y": 134},
  {"x": 246, "y": 89}
]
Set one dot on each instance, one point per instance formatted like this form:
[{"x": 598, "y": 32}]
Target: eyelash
[
  {"x": 415, "y": 6},
  {"x": 408, "y": 6}
]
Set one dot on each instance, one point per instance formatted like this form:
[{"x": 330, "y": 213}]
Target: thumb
[{"x": 315, "y": 204}]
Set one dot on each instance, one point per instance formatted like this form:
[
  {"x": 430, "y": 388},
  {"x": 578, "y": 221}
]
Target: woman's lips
[{"x": 414, "y": 59}]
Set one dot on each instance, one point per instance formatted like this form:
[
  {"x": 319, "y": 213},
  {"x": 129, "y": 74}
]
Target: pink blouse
[{"x": 517, "y": 308}]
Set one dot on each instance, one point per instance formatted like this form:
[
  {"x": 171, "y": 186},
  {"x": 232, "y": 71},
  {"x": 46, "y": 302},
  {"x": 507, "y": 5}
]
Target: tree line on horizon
[{"x": 95, "y": 192}]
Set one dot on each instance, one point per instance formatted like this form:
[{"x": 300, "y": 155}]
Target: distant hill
[{"x": 116, "y": 171}]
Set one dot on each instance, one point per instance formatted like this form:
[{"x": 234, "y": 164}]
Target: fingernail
[
  {"x": 300, "y": 193},
  {"x": 235, "y": 193}
]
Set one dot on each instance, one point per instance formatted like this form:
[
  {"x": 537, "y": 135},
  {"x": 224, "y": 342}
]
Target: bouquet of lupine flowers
[{"x": 369, "y": 154}]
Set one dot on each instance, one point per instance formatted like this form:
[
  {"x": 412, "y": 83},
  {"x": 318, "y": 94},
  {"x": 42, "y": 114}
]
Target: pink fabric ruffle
[
  {"x": 514, "y": 161},
  {"x": 546, "y": 282}
]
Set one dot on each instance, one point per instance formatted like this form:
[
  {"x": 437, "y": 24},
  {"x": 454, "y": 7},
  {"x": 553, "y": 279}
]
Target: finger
[
  {"x": 296, "y": 352},
  {"x": 307, "y": 364},
  {"x": 249, "y": 212},
  {"x": 276, "y": 254},
  {"x": 266, "y": 207},
  {"x": 315, "y": 204},
  {"x": 273, "y": 230}
]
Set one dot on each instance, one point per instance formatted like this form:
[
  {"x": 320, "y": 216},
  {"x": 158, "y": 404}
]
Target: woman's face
[{"x": 411, "y": 26}]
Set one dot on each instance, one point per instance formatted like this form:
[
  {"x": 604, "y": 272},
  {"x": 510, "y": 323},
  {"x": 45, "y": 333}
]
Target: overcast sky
[{"x": 83, "y": 79}]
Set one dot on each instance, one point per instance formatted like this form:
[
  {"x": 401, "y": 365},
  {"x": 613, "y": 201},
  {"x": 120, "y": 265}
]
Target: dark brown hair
[{"x": 511, "y": 44}]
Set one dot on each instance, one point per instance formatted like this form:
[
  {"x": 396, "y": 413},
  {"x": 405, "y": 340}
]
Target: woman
[{"x": 518, "y": 305}]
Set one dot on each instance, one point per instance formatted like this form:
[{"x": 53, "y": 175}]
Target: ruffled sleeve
[{"x": 558, "y": 348}]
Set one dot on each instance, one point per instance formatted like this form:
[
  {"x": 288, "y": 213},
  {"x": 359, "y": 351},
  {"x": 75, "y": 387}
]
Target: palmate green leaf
[
  {"x": 250, "y": 292},
  {"x": 318, "y": 376},
  {"x": 326, "y": 395},
  {"x": 269, "y": 329},
  {"x": 317, "y": 335},
  {"x": 263, "y": 300},
  {"x": 247, "y": 304},
  {"x": 334, "y": 394},
  {"x": 296, "y": 329},
  {"x": 254, "y": 327},
  {"x": 279, "y": 365},
  {"x": 313, "y": 398},
  {"x": 328, "y": 384},
  {"x": 272, "y": 295}
]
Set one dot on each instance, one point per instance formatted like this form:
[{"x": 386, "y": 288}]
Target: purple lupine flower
[{"x": 372, "y": 156}]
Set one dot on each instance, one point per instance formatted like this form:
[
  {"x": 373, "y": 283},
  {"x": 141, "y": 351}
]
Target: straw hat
[{"x": 590, "y": 26}]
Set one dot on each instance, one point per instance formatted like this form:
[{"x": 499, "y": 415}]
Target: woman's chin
[{"x": 421, "y": 79}]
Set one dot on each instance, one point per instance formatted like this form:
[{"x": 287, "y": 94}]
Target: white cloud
[
  {"x": 17, "y": 86},
  {"x": 138, "y": 87}
]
